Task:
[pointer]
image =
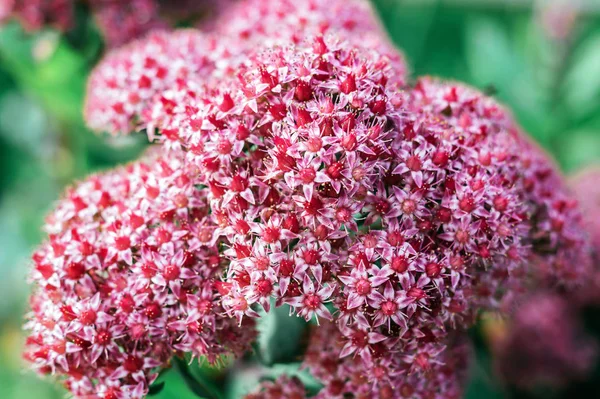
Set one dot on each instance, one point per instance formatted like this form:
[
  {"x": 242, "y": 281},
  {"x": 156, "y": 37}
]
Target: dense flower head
[
  {"x": 522, "y": 195},
  {"x": 408, "y": 211},
  {"x": 388, "y": 379},
  {"x": 258, "y": 23},
  {"x": 545, "y": 343},
  {"x": 120, "y": 89},
  {"x": 163, "y": 66},
  {"x": 122, "y": 21},
  {"x": 290, "y": 153},
  {"x": 297, "y": 168},
  {"x": 128, "y": 278},
  {"x": 119, "y": 21},
  {"x": 586, "y": 185}
]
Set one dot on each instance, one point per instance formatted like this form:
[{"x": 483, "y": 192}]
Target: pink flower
[
  {"x": 360, "y": 342},
  {"x": 283, "y": 387},
  {"x": 119, "y": 22},
  {"x": 548, "y": 339},
  {"x": 362, "y": 285},
  {"x": 299, "y": 171},
  {"x": 412, "y": 208},
  {"x": 312, "y": 302},
  {"x": 384, "y": 375},
  {"x": 389, "y": 307}
]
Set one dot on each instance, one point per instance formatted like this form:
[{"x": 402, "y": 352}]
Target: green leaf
[
  {"x": 494, "y": 58},
  {"x": 582, "y": 83},
  {"x": 175, "y": 386},
  {"x": 578, "y": 148},
  {"x": 408, "y": 25},
  {"x": 481, "y": 385},
  {"x": 156, "y": 388},
  {"x": 282, "y": 337},
  {"x": 195, "y": 385},
  {"x": 242, "y": 381},
  {"x": 482, "y": 382}
]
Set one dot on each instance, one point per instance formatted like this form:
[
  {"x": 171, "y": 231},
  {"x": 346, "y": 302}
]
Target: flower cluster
[
  {"x": 256, "y": 23},
  {"x": 282, "y": 388},
  {"x": 297, "y": 168},
  {"x": 408, "y": 211},
  {"x": 346, "y": 377},
  {"x": 545, "y": 343},
  {"x": 35, "y": 14},
  {"x": 127, "y": 84},
  {"x": 128, "y": 278},
  {"x": 119, "y": 21},
  {"x": 120, "y": 89},
  {"x": 525, "y": 201}
]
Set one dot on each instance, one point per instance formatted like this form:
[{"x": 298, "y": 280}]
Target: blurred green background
[{"x": 540, "y": 58}]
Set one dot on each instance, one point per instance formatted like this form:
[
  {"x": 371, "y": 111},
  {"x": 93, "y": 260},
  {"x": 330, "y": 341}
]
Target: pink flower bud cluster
[
  {"x": 283, "y": 387},
  {"x": 526, "y": 204},
  {"x": 119, "y": 21},
  {"x": 257, "y": 23},
  {"x": 122, "y": 21},
  {"x": 346, "y": 377},
  {"x": 35, "y": 14},
  {"x": 148, "y": 73},
  {"x": 128, "y": 79},
  {"x": 408, "y": 211},
  {"x": 298, "y": 168},
  {"x": 128, "y": 278}
]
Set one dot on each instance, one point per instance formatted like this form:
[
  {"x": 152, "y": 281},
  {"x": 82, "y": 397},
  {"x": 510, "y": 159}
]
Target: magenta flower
[
  {"x": 388, "y": 306},
  {"x": 312, "y": 302},
  {"x": 283, "y": 387},
  {"x": 409, "y": 211},
  {"x": 347, "y": 376},
  {"x": 361, "y": 285}
]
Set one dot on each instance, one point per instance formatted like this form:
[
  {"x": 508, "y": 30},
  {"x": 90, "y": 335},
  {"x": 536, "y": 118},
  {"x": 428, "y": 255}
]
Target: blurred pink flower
[
  {"x": 546, "y": 343},
  {"x": 387, "y": 378}
]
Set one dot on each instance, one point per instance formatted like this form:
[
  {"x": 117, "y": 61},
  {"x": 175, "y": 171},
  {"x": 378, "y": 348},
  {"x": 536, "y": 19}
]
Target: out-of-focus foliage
[
  {"x": 546, "y": 72},
  {"x": 550, "y": 79}
]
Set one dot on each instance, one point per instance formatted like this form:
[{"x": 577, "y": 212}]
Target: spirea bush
[{"x": 294, "y": 164}]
